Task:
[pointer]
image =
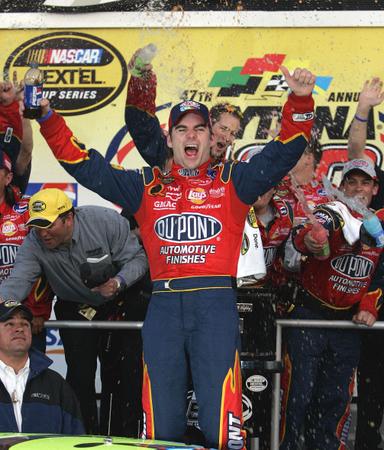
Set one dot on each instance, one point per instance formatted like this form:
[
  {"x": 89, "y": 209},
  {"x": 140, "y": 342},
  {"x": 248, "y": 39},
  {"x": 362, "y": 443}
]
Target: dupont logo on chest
[
  {"x": 8, "y": 254},
  {"x": 352, "y": 266},
  {"x": 187, "y": 227}
]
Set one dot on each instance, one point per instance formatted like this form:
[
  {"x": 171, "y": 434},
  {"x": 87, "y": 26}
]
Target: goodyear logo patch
[
  {"x": 82, "y": 72},
  {"x": 187, "y": 227}
]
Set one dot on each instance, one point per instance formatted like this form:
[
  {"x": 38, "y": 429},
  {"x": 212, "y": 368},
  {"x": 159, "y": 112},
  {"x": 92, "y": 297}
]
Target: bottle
[
  {"x": 33, "y": 92},
  {"x": 320, "y": 234},
  {"x": 373, "y": 226},
  {"x": 143, "y": 57}
]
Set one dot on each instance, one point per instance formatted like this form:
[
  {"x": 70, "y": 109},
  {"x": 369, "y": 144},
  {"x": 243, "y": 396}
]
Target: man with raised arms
[{"x": 192, "y": 319}]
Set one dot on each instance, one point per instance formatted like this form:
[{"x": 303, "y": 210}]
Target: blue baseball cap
[
  {"x": 188, "y": 106},
  {"x": 9, "y": 307}
]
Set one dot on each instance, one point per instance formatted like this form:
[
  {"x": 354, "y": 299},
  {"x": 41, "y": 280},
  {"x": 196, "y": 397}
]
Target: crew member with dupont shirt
[
  {"x": 190, "y": 240},
  {"x": 320, "y": 363}
]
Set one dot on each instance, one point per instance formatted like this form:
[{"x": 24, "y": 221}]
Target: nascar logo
[
  {"x": 187, "y": 227},
  {"x": 82, "y": 73},
  {"x": 73, "y": 56},
  {"x": 353, "y": 266},
  {"x": 38, "y": 206}
]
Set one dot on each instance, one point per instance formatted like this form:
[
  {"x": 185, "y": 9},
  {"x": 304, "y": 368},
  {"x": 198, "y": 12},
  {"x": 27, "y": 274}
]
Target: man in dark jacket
[{"x": 33, "y": 398}]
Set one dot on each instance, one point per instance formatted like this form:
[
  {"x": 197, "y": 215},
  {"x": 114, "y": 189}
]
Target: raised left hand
[{"x": 301, "y": 82}]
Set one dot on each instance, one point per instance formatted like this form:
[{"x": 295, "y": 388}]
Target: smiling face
[
  {"x": 225, "y": 131},
  {"x": 15, "y": 336},
  {"x": 190, "y": 141},
  {"x": 359, "y": 185}
]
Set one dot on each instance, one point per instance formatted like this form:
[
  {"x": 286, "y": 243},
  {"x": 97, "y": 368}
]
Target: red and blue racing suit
[{"x": 191, "y": 222}]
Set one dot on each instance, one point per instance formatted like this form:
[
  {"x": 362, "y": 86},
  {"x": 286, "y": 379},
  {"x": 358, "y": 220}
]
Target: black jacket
[{"x": 49, "y": 404}]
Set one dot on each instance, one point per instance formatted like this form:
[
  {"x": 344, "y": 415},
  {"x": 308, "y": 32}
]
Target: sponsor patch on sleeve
[{"x": 303, "y": 117}]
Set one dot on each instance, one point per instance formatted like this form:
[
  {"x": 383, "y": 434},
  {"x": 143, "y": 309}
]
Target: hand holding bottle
[
  {"x": 373, "y": 226},
  {"x": 141, "y": 60},
  {"x": 33, "y": 92},
  {"x": 319, "y": 237}
]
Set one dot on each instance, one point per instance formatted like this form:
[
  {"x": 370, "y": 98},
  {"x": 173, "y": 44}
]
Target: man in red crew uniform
[
  {"x": 370, "y": 373},
  {"x": 15, "y": 134},
  {"x": 258, "y": 303},
  {"x": 320, "y": 363},
  {"x": 192, "y": 317},
  {"x": 304, "y": 192},
  {"x": 302, "y": 177},
  {"x": 15, "y": 160}
]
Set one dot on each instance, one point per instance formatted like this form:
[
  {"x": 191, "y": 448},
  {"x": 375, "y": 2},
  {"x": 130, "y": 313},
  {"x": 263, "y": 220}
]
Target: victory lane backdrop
[{"x": 86, "y": 81}]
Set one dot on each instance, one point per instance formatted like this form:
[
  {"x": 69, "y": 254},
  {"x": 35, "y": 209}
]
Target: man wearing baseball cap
[
  {"x": 89, "y": 257},
  {"x": 47, "y": 206},
  {"x": 370, "y": 374},
  {"x": 191, "y": 220},
  {"x": 361, "y": 165},
  {"x": 336, "y": 276},
  {"x": 33, "y": 398}
]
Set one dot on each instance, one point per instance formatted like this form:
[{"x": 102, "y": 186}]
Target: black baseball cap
[
  {"x": 188, "y": 106},
  {"x": 9, "y": 307}
]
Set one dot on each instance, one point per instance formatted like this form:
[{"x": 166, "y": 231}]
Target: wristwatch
[{"x": 120, "y": 283}]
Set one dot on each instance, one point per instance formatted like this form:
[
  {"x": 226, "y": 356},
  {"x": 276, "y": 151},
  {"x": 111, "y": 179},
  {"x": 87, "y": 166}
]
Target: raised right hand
[
  {"x": 372, "y": 93},
  {"x": 131, "y": 64}
]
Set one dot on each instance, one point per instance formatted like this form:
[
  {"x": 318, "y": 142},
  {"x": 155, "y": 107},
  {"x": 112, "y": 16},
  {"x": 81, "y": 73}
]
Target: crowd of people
[{"x": 184, "y": 218}]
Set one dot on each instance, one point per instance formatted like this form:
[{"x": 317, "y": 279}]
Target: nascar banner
[{"x": 86, "y": 78}]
